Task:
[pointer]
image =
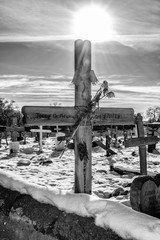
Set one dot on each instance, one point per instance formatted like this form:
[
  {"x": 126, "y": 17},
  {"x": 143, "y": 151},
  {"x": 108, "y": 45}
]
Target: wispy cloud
[
  {"x": 34, "y": 17},
  {"x": 42, "y": 91},
  {"x": 138, "y": 89},
  {"x": 39, "y": 38},
  {"x": 37, "y": 90}
]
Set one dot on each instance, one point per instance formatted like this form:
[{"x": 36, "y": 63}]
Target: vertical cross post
[
  {"x": 83, "y": 136},
  {"x": 142, "y": 149},
  {"x": 40, "y": 138}
]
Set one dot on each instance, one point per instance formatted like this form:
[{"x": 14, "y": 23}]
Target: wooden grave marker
[
  {"x": 141, "y": 141},
  {"x": 14, "y": 129},
  {"x": 52, "y": 116},
  {"x": 3, "y": 134},
  {"x": 152, "y": 129},
  {"x": 40, "y": 131},
  {"x": 145, "y": 195},
  {"x": 68, "y": 116},
  {"x": 14, "y": 132}
]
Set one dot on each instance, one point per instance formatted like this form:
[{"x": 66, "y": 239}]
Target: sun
[{"x": 93, "y": 23}]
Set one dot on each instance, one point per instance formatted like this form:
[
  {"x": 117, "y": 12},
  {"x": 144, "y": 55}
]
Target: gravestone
[
  {"x": 145, "y": 195},
  {"x": 60, "y": 141}
]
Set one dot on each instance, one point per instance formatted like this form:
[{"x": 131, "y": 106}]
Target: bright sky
[{"x": 37, "y": 50}]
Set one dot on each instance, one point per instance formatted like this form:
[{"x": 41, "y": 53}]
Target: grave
[
  {"x": 14, "y": 129},
  {"x": 153, "y": 129},
  {"x": 141, "y": 141},
  {"x": 60, "y": 141},
  {"x": 145, "y": 195},
  {"x": 82, "y": 117},
  {"x": 40, "y": 131},
  {"x": 3, "y": 134}
]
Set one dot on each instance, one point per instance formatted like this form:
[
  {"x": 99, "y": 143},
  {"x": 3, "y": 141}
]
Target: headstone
[
  {"x": 23, "y": 162},
  {"x": 60, "y": 141},
  {"x": 125, "y": 134},
  {"x": 13, "y": 147},
  {"x": 145, "y": 195}
]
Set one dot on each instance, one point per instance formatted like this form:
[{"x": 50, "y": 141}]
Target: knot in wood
[{"x": 82, "y": 151}]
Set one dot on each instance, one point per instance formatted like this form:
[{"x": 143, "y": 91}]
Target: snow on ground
[{"x": 50, "y": 179}]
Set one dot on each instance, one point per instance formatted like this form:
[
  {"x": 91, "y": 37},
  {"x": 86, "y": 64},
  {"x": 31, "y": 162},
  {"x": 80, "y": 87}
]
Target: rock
[
  {"x": 120, "y": 197},
  {"x": 101, "y": 171},
  {"x": 114, "y": 173},
  {"x": 125, "y": 192},
  {"x": 23, "y": 162},
  {"x": 100, "y": 194},
  {"x": 156, "y": 162},
  {"x": 126, "y": 184},
  {"x": 100, "y": 181},
  {"x": 134, "y": 154},
  {"x": 107, "y": 194},
  {"x": 42, "y": 158},
  {"x": 45, "y": 162},
  {"x": 118, "y": 191},
  {"x": 155, "y": 151}
]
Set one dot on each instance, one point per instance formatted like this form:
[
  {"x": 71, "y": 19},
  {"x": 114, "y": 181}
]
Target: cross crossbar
[
  {"x": 52, "y": 116},
  {"x": 141, "y": 141}
]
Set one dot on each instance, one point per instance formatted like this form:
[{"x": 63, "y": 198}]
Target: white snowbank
[{"x": 126, "y": 222}]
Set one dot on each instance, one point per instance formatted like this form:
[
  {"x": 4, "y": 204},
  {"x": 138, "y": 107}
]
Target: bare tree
[
  {"x": 153, "y": 113},
  {"x": 8, "y": 111}
]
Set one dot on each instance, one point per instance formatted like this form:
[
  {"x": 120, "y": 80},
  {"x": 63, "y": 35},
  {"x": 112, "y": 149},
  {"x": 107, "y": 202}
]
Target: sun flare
[{"x": 93, "y": 23}]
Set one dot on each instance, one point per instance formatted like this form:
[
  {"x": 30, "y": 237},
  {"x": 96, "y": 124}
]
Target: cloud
[
  {"x": 32, "y": 90},
  {"x": 134, "y": 17},
  {"x": 138, "y": 89},
  {"x": 33, "y": 17},
  {"x": 39, "y": 38},
  {"x": 37, "y": 90},
  {"x": 147, "y": 42}
]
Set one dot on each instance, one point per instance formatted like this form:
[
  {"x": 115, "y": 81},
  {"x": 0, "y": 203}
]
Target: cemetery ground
[{"x": 47, "y": 170}]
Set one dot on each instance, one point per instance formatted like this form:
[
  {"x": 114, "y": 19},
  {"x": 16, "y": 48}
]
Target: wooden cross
[
  {"x": 14, "y": 130},
  {"x": 40, "y": 131},
  {"x": 57, "y": 128},
  {"x": 141, "y": 141},
  {"x": 152, "y": 129},
  {"x": 53, "y": 116}
]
